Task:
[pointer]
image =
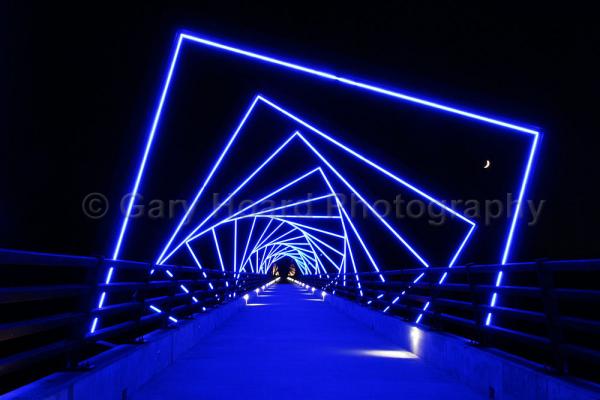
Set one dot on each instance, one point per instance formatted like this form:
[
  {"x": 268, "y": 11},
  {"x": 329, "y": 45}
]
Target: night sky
[{"x": 80, "y": 83}]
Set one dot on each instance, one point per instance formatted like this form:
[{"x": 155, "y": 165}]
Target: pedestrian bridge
[{"x": 370, "y": 304}]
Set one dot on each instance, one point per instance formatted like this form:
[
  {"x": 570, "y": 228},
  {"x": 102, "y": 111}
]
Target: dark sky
[{"x": 79, "y": 84}]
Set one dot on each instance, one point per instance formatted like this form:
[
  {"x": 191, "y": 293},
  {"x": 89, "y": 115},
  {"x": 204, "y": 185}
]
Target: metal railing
[
  {"x": 545, "y": 311},
  {"x": 48, "y": 301}
]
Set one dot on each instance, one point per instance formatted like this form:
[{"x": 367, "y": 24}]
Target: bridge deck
[{"x": 288, "y": 344}]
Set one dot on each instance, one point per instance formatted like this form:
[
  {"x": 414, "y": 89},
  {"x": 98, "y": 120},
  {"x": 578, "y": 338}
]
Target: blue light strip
[
  {"x": 156, "y": 309},
  {"x": 266, "y": 259},
  {"x": 272, "y": 232},
  {"x": 287, "y": 246},
  {"x": 208, "y": 178},
  {"x": 366, "y": 203},
  {"x": 312, "y": 228},
  {"x": 263, "y": 243},
  {"x": 522, "y": 191},
  {"x": 513, "y": 225},
  {"x": 273, "y": 193},
  {"x": 279, "y": 239},
  {"x": 101, "y": 301},
  {"x": 149, "y": 141},
  {"x": 311, "y": 244},
  {"x": 445, "y": 274},
  {"x": 295, "y": 204},
  {"x": 347, "y": 244},
  {"x": 248, "y": 241},
  {"x": 312, "y": 71},
  {"x": 256, "y": 215},
  {"x": 362, "y": 158},
  {"x": 195, "y": 259},
  {"x": 311, "y": 241},
  {"x": 219, "y": 253},
  {"x": 362, "y": 243},
  {"x": 216, "y": 209},
  {"x": 287, "y": 242},
  {"x": 313, "y": 199},
  {"x": 264, "y": 230},
  {"x": 307, "y": 237},
  {"x": 109, "y": 275},
  {"x": 280, "y": 219},
  {"x": 234, "y": 246}
]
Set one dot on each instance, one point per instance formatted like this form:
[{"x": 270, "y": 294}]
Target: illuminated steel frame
[{"x": 183, "y": 37}]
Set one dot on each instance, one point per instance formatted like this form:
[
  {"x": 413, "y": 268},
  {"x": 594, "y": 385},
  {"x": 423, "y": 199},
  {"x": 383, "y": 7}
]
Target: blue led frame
[{"x": 184, "y": 37}]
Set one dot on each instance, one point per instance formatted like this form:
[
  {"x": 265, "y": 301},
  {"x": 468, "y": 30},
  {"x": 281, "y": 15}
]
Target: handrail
[
  {"x": 539, "y": 314},
  {"x": 47, "y": 302}
]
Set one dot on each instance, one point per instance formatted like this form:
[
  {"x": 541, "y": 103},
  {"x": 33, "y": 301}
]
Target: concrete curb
[
  {"x": 492, "y": 373},
  {"x": 117, "y": 372}
]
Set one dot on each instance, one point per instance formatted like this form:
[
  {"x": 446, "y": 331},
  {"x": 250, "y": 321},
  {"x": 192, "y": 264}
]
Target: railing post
[
  {"x": 203, "y": 284},
  {"x": 554, "y": 331},
  {"x": 140, "y": 297},
  {"x": 436, "y": 320},
  {"x": 93, "y": 279},
  {"x": 479, "y": 335},
  {"x": 170, "y": 302}
]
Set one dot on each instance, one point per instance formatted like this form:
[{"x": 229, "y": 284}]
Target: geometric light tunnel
[
  {"x": 328, "y": 166},
  {"x": 269, "y": 234}
]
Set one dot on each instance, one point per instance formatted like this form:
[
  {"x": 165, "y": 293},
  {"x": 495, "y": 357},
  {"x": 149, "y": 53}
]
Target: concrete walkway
[{"x": 287, "y": 344}]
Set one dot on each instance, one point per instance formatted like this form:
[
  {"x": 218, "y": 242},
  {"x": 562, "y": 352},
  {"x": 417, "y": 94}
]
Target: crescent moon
[{"x": 487, "y": 164}]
